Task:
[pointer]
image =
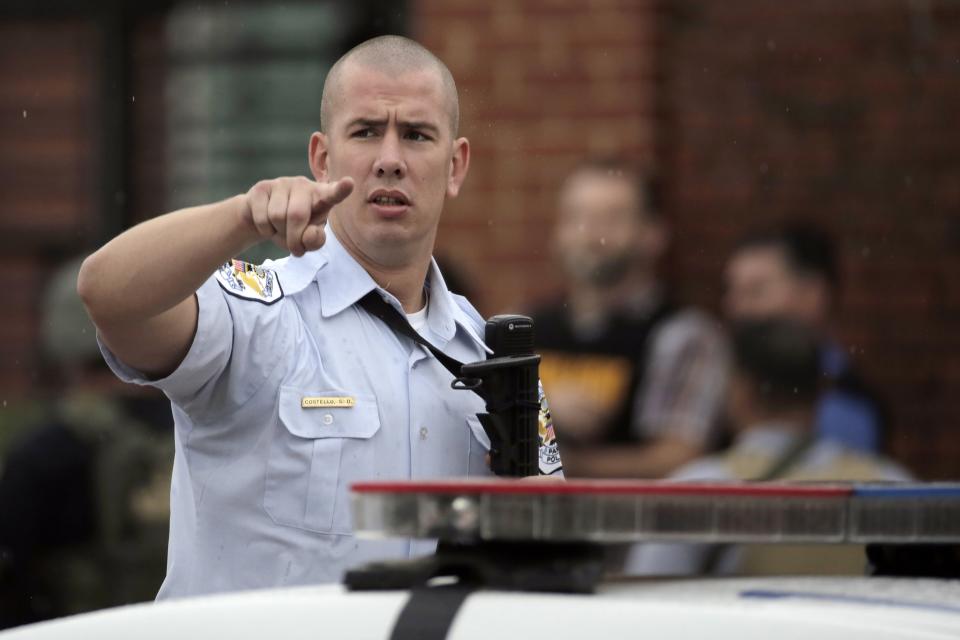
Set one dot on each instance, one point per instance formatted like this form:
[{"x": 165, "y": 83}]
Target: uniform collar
[
  {"x": 445, "y": 313},
  {"x": 342, "y": 282},
  {"x": 341, "y": 279}
]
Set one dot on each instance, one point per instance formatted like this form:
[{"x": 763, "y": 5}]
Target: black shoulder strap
[
  {"x": 788, "y": 458},
  {"x": 376, "y": 306}
]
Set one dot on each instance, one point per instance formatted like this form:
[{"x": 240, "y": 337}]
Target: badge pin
[{"x": 314, "y": 402}]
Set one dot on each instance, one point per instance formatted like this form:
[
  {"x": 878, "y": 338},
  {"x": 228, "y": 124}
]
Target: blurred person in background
[
  {"x": 772, "y": 403},
  {"x": 791, "y": 271},
  {"x": 635, "y": 380},
  {"x": 84, "y": 493}
]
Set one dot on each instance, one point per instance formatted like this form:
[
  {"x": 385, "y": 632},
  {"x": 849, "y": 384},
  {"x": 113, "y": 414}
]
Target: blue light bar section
[{"x": 907, "y": 491}]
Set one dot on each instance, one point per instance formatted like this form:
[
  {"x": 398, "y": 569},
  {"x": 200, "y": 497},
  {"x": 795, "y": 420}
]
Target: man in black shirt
[{"x": 635, "y": 381}]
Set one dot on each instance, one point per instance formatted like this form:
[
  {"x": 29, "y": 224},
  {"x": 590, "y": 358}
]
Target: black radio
[{"x": 508, "y": 381}]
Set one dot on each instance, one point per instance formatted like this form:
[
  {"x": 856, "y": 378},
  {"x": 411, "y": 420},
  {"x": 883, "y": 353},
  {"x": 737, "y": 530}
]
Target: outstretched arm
[{"x": 139, "y": 287}]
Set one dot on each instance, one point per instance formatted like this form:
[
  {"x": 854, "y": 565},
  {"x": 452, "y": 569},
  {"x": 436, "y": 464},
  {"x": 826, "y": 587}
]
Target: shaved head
[{"x": 393, "y": 56}]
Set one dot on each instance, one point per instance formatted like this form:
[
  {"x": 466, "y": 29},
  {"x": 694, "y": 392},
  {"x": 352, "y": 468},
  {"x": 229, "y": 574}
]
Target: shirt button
[
  {"x": 423, "y": 433},
  {"x": 327, "y": 418}
]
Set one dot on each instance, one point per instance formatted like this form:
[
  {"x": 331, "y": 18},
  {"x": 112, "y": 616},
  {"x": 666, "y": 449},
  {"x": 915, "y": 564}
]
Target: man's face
[
  {"x": 760, "y": 284},
  {"x": 601, "y": 233},
  {"x": 392, "y": 135}
]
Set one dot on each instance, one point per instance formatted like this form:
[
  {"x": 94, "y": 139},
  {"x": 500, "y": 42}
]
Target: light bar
[
  {"x": 905, "y": 513},
  {"x": 628, "y": 511}
]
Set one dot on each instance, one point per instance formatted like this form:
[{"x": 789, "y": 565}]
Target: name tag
[{"x": 312, "y": 402}]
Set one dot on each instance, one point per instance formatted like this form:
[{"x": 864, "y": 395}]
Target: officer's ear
[
  {"x": 459, "y": 164},
  {"x": 319, "y": 157}
]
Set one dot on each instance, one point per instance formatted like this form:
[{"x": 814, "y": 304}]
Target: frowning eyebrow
[{"x": 403, "y": 124}]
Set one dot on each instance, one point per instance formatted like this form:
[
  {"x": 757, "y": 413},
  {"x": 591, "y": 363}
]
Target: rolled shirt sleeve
[
  {"x": 685, "y": 381},
  {"x": 202, "y": 384}
]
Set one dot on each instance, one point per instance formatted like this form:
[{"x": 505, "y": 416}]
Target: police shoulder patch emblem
[
  {"x": 549, "y": 451},
  {"x": 249, "y": 281}
]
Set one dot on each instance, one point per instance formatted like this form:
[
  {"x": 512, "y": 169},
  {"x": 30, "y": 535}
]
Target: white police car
[{"x": 523, "y": 560}]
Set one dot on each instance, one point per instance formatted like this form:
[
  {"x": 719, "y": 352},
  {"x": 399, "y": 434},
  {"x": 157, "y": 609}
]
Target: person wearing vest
[
  {"x": 772, "y": 405},
  {"x": 84, "y": 480},
  {"x": 635, "y": 380}
]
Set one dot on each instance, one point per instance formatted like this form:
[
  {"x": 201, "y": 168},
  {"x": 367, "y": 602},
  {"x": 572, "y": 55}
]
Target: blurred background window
[{"x": 242, "y": 92}]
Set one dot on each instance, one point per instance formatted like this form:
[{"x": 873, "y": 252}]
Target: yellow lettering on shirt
[{"x": 604, "y": 378}]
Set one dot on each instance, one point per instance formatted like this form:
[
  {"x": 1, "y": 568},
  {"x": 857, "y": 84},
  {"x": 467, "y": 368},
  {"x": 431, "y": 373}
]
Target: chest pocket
[{"x": 307, "y": 484}]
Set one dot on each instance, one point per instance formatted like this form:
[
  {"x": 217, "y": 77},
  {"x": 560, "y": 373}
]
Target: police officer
[{"x": 285, "y": 390}]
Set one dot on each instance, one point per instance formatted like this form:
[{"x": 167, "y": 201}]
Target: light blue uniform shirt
[{"x": 260, "y": 485}]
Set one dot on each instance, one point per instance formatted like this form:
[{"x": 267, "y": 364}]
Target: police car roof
[{"x": 788, "y": 608}]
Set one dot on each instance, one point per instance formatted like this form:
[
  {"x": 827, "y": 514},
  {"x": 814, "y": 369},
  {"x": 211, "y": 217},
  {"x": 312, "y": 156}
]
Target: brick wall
[
  {"x": 751, "y": 111},
  {"x": 148, "y": 121},
  {"x": 841, "y": 113},
  {"x": 542, "y": 83},
  {"x": 48, "y": 173}
]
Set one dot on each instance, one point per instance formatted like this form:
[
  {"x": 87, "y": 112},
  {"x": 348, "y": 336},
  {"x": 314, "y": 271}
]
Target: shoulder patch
[
  {"x": 550, "y": 461},
  {"x": 249, "y": 281}
]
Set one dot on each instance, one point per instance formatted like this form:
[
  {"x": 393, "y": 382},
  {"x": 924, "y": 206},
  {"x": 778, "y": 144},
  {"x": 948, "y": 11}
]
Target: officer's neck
[
  {"x": 402, "y": 272},
  {"x": 404, "y": 282},
  {"x": 409, "y": 291}
]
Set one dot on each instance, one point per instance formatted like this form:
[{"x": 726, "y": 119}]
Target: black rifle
[{"x": 510, "y": 384}]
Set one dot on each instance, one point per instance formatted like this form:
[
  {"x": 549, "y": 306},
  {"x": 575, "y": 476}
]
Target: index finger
[{"x": 329, "y": 194}]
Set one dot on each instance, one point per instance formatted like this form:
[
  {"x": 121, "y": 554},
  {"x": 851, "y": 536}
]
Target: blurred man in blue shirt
[{"x": 790, "y": 271}]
